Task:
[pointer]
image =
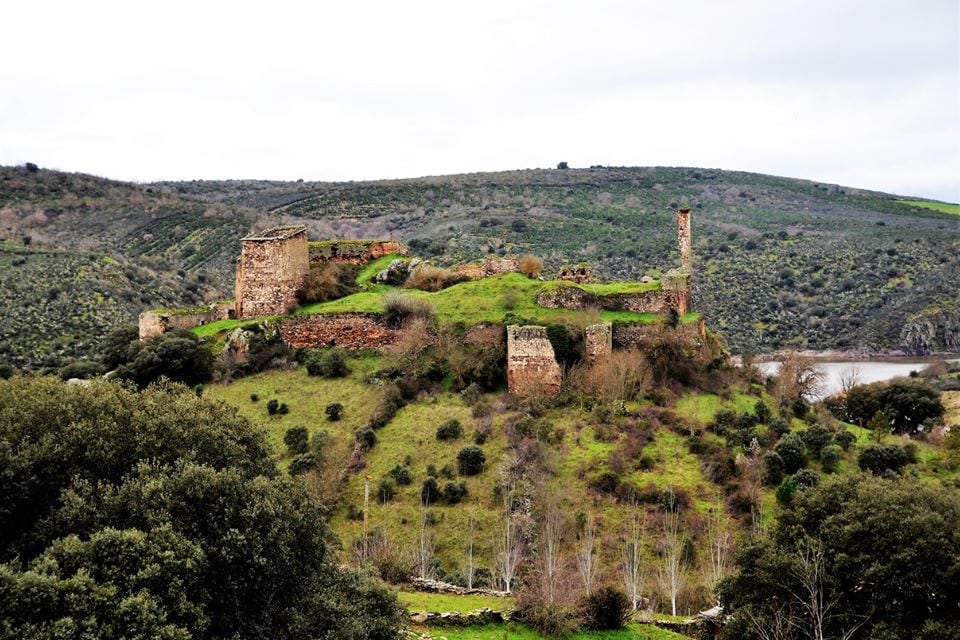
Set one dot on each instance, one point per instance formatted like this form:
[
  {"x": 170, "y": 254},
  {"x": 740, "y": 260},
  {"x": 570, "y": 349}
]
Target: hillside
[{"x": 778, "y": 262}]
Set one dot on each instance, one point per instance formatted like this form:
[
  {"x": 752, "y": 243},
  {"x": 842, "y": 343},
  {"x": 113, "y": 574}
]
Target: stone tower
[
  {"x": 683, "y": 237},
  {"x": 271, "y": 268}
]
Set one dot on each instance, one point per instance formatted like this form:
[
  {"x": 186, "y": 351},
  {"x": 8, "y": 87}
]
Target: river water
[{"x": 869, "y": 370}]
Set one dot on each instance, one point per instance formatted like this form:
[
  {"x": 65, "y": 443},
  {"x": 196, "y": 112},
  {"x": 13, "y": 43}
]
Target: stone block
[{"x": 531, "y": 363}]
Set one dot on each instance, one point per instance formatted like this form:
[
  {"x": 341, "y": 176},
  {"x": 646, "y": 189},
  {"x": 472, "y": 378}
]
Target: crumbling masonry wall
[
  {"x": 271, "y": 269},
  {"x": 598, "y": 342},
  {"x": 152, "y": 323},
  {"x": 358, "y": 252},
  {"x": 531, "y": 363}
]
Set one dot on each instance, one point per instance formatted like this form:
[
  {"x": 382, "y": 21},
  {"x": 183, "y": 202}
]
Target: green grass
[
  {"x": 444, "y": 602},
  {"x": 513, "y": 631},
  {"x": 376, "y": 266},
  {"x": 942, "y": 207},
  {"x": 222, "y": 326},
  {"x": 703, "y": 406},
  {"x": 490, "y": 300}
]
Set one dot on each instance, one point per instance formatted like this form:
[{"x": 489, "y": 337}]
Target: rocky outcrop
[
  {"x": 531, "y": 363},
  {"x": 345, "y": 330},
  {"x": 932, "y": 332}
]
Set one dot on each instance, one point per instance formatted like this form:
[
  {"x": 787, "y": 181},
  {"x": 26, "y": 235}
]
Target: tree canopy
[{"x": 158, "y": 514}]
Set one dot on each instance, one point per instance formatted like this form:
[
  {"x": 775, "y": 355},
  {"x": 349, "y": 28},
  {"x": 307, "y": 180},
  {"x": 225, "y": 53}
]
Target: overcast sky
[{"x": 864, "y": 93}]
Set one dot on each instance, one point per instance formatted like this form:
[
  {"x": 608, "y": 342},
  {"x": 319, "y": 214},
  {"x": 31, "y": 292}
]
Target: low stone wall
[
  {"x": 345, "y": 330},
  {"x": 638, "y": 336},
  {"x": 491, "y": 266},
  {"x": 531, "y": 363},
  {"x": 573, "y": 297},
  {"x": 353, "y": 251},
  {"x": 153, "y": 323}
]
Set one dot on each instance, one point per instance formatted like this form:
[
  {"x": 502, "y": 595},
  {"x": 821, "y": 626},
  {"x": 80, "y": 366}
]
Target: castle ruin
[{"x": 271, "y": 268}]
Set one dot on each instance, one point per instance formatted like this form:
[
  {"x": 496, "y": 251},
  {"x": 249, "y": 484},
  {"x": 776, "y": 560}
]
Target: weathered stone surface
[
  {"x": 684, "y": 237},
  {"x": 437, "y": 586},
  {"x": 573, "y": 297},
  {"x": 346, "y": 330},
  {"x": 531, "y": 363},
  {"x": 152, "y": 323},
  {"x": 491, "y": 266},
  {"x": 676, "y": 290},
  {"x": 598, "y": 341},
  {"x": 272, "y": 267},
  {"x": 579, "y": 273},
  {"x": 638, "y": 336},
  {"x": 353, "y": 251}
]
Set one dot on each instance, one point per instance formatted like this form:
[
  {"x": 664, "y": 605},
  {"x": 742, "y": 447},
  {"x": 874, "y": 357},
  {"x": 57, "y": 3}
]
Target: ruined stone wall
[
  {"x": 153, "y": 323},
  {"x": 571, "y": 297},
  {"x": 684, "y": 237},
  {"x": 579, "y": 273},
  {"x": 598, "y": 343},
  {"x": 531, "y": 363},
  {"x": 353, "y": 251},
  {"x": 491, "y": 266},
  {"x": 638, "y": 336},
  {"x": 272, "y": 267},
  {"x": 676, "y": 290},
  {"x": 345, "y": 330}
]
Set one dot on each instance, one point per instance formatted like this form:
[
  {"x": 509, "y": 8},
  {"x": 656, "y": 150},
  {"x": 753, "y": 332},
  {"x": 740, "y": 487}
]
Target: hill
[{"x": 778, "y": 262}]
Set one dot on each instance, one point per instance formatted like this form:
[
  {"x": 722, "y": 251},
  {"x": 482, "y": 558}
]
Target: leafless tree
[
  {"x": 721, "y": 543},
  {"x": 799, "y": 377},
  {"x": 508, "y": 544},
  {"x": 470, "y": 570},
  {"x": 849, "y": 378},
  {"x": 632, "y": 568},
  {"x": 781, "y": 624},
  {"x": 425, "y": 546},
  {"x": 587, "y": 553},
  {"x": 670, "y": 573},
  {"x": 549, "y": 552}
]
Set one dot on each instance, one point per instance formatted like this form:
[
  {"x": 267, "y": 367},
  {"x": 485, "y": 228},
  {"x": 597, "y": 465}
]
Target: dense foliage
[
  {"x": 158, "y": 514},
  {"x": 874, "y": 557},
  {"x": 906, "y": 405}
]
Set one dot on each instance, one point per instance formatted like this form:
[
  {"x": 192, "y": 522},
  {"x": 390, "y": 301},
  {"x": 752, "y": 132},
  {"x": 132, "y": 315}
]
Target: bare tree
[
  {"x": 587, "y": 553},
  {"x": 549, "y": 553},
  {"x": 425, "y": 547},
  {"x": 849, "y": 378},
  {"x": 670, "y": 574},
  {"x": 781, "y": 624},
  {"x": 799, "y": 377},
  {"x": 632, "y": 568},
  {"x": 470, "y": 570},
  {"x": 721, "y": 543}
]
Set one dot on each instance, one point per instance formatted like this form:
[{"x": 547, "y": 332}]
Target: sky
[{"x": 864, "y": 93}]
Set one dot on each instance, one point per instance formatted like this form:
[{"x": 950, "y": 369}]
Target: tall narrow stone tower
[
  {"x": 683, "y": 237},
  {"x": 271, "y": 268}
]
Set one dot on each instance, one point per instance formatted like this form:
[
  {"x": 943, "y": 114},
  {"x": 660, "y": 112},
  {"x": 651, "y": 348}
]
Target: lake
[{"x": 870, "y": 370}]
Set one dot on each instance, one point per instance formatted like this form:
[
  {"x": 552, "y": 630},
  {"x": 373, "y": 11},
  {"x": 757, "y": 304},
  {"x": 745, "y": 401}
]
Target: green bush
[
  {"x": 845, "y": 438},
  {"x": 605, "y": 609},
  {"x": 297, "y": 439},
  {"x": 429, "y": 491},
  {"x": 816, "y": 437},
  {"x": 366, "y": 438},
  {"x": 386, "y": 490},
  {"x": 272, "y": 406},
  {"x": 333, "y": 411},
  {"x": 454, "y": 492},
  {"x": 882, "y": 458},
  {"x": 470, "y": 460},
  {"x": 773, "y": 469},
  {"x": 449, "y": 430},
  {"x": 791, "y": 450},
  {"x": 401, "y": 475},
  {"x": 302, "y": 463},
  {"x": 331, "y": 363},
  {"x": 830, "y": 457}
]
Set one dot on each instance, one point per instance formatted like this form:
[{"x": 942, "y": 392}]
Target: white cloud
[{"x": 856, "y": 92}]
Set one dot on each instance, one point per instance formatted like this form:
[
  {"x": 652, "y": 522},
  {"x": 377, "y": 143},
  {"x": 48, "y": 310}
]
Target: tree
[
  {"x": 799, "y": 377},
  {"x": 672, "y": 541},
  {"x": 721, "y": 544},
  {"x": 471, "y": 460},
  {"x": 882, "y": 458},
  {"x": 470, "y": 568},
  {"x": 633, "y": 571},
  {"x": 850, "y": 378},
  {"x": 587, "y": 553},
  {"x": 297, "y": 439},
  {"x": 178, "y": 355},
  {"x": 854, "y": 551},
  {"x": 160, "y": 514},
  {"x": 792, "y": 451}
]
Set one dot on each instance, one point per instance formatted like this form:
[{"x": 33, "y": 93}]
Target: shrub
[
  {"x": 816, "y": 437},
  {"x": 552, "y": 620},
  {"x": 453, "y": 492},
  {"x": 791, "y": 450},
  {"x": 882, "y": 458},
  {"x": 82, "y": 370},
  {"x": 806, "y": 478},
  {"x": 398, "y": 308},
  {"x": 302, "y": 463},
  {"x": 254, "y": 397},
  {"x": 830, "y": 457},
  {"x": 178, "y": 355},
  {"x": 366, "y": 438},
  {"x": 272, "y": 406},
  {"x": 386, "y": 490},
  {"x": 844, "y": 438},
  {"x": 779, "y": 426},
  {"x": 480, "y": 436},
  {"x": 773, "y": 468},
  {"x": 762, "y": 411},
  {"x": 283, "y": 409},
  {"x": 333, "y": 411},
  {"x": 530, "y": 266},
  {"x": 331, "y": 363},
  {"x": 327, "y": 282},
  {"x": 432, "y": 471},
  {"x": 605, "y": 609},
  {"x": 296, "y": 439},
  {"x": 723, "y": 421},
  {"x": 448, "y": 472},
  {"x": 401, "y": 475},
  {"x": 427, "y": 277},
  {"x": 449, "y": 430},
  {"x": 470, "y": 460},
  {"x": 429, "y": 491},
  {"x": 471, "y": 394}
]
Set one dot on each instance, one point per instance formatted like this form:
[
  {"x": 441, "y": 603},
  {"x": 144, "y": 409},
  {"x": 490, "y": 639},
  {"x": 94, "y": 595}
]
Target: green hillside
[{"x": 778, "y": 262}]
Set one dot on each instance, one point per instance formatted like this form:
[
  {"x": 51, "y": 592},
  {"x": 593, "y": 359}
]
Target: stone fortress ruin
[{"x": 274, "y": 264}]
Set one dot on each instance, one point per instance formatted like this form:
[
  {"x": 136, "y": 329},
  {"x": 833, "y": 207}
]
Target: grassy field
[
  {"x": 942, "y": 207},
  {"x": 443, "y": 602},
  {"x": 518, "y": 632}
]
